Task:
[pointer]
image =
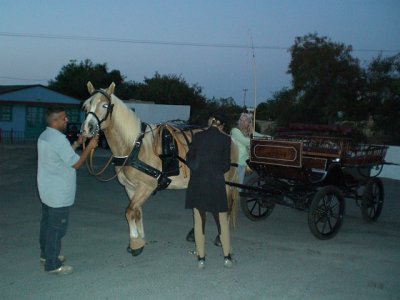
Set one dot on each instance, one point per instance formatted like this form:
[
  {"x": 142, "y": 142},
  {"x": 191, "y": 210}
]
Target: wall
[
  {"x": 18, "y": 114},
  {"x": 393, "y": 156},
  {"x": 160, "y": 113}
]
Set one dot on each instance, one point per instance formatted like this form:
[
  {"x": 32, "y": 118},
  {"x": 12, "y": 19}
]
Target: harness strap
[{"x": 162, "y": 180}]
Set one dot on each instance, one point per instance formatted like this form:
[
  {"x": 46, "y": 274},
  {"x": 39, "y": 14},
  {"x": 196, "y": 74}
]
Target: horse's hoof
[{"x": 135, "y": 252}]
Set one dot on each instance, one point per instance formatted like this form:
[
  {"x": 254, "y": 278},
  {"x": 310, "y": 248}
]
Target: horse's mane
[{"x": 125, "y": 121}]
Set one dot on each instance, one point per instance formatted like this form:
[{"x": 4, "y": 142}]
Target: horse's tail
[{"x": 232, "y": 192}]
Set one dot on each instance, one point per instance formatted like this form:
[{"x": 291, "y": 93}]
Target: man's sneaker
[
  {"x": 217, "y": 241},
  {"x": 63, "y": 270},
  {"x": 61, "y": 258},
  {"x": 228, "y": 263},
  {"x": 201, "y": 263}
]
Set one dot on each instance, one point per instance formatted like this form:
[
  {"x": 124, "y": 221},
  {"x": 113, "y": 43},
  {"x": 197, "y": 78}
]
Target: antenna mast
[{"x": 254, "y": 84}]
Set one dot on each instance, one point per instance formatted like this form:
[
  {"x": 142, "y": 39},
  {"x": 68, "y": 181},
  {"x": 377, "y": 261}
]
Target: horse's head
[{"x": 98, "y": 108}]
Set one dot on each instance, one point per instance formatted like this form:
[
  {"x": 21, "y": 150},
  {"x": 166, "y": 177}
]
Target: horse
[{"x": 136, "y": 149}]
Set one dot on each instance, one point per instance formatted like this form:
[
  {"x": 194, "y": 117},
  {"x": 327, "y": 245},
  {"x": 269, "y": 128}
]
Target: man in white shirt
[{"x": 56, "y": 180}]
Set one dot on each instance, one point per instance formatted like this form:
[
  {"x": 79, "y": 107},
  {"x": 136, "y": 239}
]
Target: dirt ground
[{"x": 277, "y": 258}]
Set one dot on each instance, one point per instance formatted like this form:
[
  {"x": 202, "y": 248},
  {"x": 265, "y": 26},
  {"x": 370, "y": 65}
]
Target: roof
[
  {"x": 33, "y": 94},
  {"x": 12, "y": 88}
]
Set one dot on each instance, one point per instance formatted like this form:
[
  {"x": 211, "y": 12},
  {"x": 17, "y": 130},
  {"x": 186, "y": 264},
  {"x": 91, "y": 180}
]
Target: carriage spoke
[
  {"x": 326, "y": 214},
  {"x": 254, "y": 205},
  {"x": 372, "y": 210},
  {"x": 329, "y": 223}
]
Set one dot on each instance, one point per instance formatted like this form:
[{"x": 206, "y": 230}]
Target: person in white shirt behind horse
[{"x": 241, "y": 136}]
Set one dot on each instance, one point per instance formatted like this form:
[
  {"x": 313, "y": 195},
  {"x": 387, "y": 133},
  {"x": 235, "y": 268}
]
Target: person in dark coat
[{"x": 208, "y": 159}]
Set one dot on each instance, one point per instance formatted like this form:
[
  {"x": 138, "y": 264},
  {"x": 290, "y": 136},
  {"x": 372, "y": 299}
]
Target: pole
[
  {"x": 254, "y": 85},
  {"x": 244, "y": 98}
]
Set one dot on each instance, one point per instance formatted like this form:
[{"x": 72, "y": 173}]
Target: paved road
[{"x": 277, "y": 258}]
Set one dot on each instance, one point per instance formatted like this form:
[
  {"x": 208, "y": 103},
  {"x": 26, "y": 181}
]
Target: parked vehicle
[{"x": 73, "y": 129}]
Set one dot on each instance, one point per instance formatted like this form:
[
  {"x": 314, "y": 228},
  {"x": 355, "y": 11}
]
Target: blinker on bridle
[{"x": 109, "y": 108}]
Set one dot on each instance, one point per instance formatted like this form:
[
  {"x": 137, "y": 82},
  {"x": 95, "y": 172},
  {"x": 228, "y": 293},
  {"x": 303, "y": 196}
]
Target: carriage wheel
[
  {"x": 372, "y": 200},
  {"x": 254, "y": 205},
  {"x": 325, "y": 216}
]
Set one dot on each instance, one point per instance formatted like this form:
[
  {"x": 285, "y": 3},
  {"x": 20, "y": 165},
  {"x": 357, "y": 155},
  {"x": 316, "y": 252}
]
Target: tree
[
  {"x": 382, "y": 96},
  {"x": 167, "y": 89},
  {"x": 73, "y": 78},
  {"x": 170, "y": 89},
  {"x": 325, "y": 77},
  {"x": 282, "y": 108},
  {"x": 160, "y": 89},
  {"x": 228, "y": 105}
]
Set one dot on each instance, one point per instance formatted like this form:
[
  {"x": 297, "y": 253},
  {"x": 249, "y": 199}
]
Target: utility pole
[{"x": 244, "y": 97}]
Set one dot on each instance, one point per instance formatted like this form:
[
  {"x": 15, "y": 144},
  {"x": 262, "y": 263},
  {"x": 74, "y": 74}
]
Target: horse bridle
[{"x": 109, "y": 108}]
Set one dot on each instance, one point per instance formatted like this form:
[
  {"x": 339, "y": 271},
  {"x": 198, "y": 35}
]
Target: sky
[{"x": 233, "y": 48}]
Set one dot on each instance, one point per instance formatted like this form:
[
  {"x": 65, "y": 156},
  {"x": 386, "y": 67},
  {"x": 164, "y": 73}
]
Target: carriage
[{"x": 313, "y": 168}]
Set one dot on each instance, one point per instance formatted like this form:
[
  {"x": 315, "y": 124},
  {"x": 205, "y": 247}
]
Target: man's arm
[{"x": 85, "y": 153}]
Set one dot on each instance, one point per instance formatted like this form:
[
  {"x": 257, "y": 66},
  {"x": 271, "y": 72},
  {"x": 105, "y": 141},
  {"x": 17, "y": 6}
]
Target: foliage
[
  {"x": 328, "y": 85},
  {"x": 325, "y": 77},
  {"x": 382, "y": 95},
  {"x": 229, "y": 108},
  {"x": 166, "y": 89},
  {"x": 282, "y": 108},
  {"x": 73, "y": 78}
]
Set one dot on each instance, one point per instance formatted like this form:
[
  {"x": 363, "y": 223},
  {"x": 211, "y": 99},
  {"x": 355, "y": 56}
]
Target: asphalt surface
[{"x": 277, "y": 258}]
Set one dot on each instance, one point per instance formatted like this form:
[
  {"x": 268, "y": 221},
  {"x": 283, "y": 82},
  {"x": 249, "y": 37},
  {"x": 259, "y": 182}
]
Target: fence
[{"x": 14, "y": 137}]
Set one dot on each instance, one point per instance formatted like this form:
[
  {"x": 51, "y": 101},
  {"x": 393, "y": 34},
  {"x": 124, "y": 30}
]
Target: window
[
  {"x": 5, "y": 113},
  {"x": 35, "y": 116}
]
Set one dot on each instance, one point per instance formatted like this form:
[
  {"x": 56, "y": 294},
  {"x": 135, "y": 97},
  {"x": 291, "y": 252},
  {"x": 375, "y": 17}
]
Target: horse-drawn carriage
[
  {"x": 311, "y": 172},
  {"x": 314, "y": 168}
]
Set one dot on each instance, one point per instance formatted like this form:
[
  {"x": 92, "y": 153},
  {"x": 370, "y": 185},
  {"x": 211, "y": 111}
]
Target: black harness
[
  {"x": 110, "y": 107},
  {"x": 133, "y": 160}
]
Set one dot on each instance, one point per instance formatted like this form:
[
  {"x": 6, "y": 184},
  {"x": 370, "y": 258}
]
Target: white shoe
[
  {"x": 201, "y": 263},
  {"x": 228, "y": 262},
  {"x": 63, "y": 270}
]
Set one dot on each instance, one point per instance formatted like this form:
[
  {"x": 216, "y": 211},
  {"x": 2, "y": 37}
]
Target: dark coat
[{"x": 208, "y": 159}]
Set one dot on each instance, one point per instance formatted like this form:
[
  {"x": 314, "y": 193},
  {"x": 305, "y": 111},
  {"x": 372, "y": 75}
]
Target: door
[{"x": 35, "y": 121}]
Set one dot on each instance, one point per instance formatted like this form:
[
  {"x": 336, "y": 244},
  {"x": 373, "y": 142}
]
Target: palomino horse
[{"x": 136, "y": 150}]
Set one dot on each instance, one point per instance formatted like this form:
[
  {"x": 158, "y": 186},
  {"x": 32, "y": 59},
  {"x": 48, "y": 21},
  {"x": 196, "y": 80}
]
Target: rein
[{"x": 91, "y": 170}]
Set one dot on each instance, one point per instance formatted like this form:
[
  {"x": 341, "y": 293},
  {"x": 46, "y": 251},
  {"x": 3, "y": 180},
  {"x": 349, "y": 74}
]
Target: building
[
  {"x": 22, "y": 109},
  {"x": 152, "y": 113}
]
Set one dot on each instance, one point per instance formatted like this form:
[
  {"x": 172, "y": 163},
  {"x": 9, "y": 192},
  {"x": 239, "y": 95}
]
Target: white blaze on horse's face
[{"x": 96, "y": 108}]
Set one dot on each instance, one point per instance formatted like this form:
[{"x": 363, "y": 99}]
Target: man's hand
[
  {"x": 81, "y": 139},
  {"x": 93, "y": 142},
  {"x": 85, "y": 153}
]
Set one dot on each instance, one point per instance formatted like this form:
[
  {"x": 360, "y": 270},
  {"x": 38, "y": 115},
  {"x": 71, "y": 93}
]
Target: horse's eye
[{"x": 105, "y": 106}]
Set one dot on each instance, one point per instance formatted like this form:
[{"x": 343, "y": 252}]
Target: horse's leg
[
  {"x": 139, "y": 224},
  {"x": 136, "y": 241},
  {"x": 135, "y": 220}
]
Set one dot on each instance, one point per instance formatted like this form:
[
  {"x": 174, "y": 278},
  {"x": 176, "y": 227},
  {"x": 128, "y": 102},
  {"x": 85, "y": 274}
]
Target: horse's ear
[
  {"x": 90, "y": 87},
  {"x": 110, "y": 89}
]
